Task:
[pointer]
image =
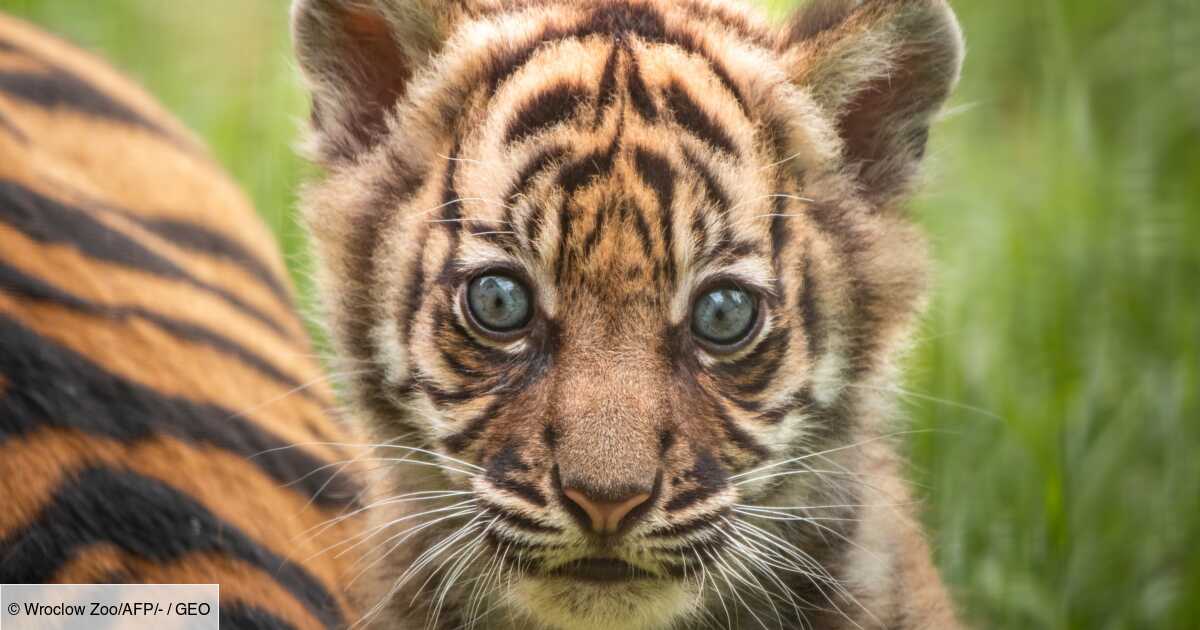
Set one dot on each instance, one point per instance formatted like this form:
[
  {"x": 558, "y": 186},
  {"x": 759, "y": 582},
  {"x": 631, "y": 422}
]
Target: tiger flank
[
  {"x": 162, "y": 418},
  {"x": 625, "y": 284}
]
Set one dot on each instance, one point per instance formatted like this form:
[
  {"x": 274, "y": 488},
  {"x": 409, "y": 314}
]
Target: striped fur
[
  {"x": 620, "y": 156},
  {"x": 154, "y": 377}
]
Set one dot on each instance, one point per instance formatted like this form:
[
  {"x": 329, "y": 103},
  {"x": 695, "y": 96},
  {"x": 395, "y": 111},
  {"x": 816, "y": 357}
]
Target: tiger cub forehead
[
  {"x": 596, "y": 167},
  {"x": 608, "y": 150}
]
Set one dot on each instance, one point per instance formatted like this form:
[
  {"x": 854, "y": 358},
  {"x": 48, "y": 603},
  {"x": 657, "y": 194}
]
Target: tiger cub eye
[
  {"x": 724, "y": 316},
  {"x": 499, "y": 303}
]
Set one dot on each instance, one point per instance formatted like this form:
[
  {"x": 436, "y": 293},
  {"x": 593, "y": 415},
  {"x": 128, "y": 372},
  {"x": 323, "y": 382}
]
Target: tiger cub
[{"x": 624, "y": 284}]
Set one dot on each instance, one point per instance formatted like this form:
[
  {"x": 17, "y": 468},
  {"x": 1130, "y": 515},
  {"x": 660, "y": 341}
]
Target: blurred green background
[{"x": 1055, "y": 394}]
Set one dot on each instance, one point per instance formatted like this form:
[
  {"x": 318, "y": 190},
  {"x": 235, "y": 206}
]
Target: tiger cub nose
[{"x": 606, "y": 516}]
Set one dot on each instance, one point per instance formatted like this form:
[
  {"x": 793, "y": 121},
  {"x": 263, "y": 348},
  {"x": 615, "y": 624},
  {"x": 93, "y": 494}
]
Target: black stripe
[
  {"x": 779, "y": 228},
  {"x": 548, "y": 108},
  {"x": 532, "y": 224},
  {"x": 18, "y": 283},
  {"x": 501, "y": 470},
  {"x": 203, "y": 240},
  {"x": 751, "y": 374},
  {"x": 593, "y": 237},
  {"x": 360, "y": 268},
  {"x": 707, "y": 477},
  {"x": 696, "y": 121},
  {"x": 810, "y": 310},
  {"x": 639, "y": 94},
  {"x": 451, "y": 215},
  {"x": 147, "y": 518},
  {"x": 524, "y": 562},
  {"x": 607, "y": 93},
  {"x": 49, "y": 385},
  {"x": 583, "y": 171},
  {"x": 366, "y": 230},
  {"x": 619, "y": 21},
  {"x": 835, "y": 222},
  {"x": 55, "y": 87},
  {"x": 526, "y": 491},
  {"x": 740, "y": 438},
  {"x": 518, "y": 521},
  {"x": 416, "y": 288},
  {"x": 731, "y": 19},
  {"x": 534, "y": 167},
  {"x": 47, "y": 220},
  {"x": 457, "y": 366},
  {"x": 442, "y": 396},
  {"x": 571, "y": 178},
  {"x": 458, "y": 442},
  {"x": 451, "y": 331},
  {"x": 717, "y": 196},
  {"x": 656, "y": 171},
  {"x": 643, "y": 230},
  {"x": 451, "y": 202},
  {"x": 705, "y": 521}
]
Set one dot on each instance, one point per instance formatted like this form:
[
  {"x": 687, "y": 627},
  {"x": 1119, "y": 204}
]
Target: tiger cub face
[{"x": 628, "y": 273}]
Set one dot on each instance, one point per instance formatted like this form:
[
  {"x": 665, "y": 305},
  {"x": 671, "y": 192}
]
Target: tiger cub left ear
[
  {"x": 880, "y": 69},
  {"x": 358, "y": 57}
]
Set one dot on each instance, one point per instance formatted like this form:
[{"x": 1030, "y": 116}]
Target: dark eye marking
[
  {"x": 752, "y": 374},
  {"x": 450, "y": 340}
]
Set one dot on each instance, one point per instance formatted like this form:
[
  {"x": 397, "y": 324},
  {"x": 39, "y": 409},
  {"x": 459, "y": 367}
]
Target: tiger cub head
[{"x": 613, "y": 271}]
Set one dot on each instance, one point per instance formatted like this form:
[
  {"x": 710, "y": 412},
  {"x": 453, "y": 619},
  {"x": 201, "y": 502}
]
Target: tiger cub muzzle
[{"x": 614, "y": 487}]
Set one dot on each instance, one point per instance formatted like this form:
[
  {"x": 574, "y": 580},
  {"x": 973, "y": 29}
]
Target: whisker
[
  {"x": 291, "y": 392},
  {"x": 911, "y": 394},
  {"x": 825, "y": 452}
]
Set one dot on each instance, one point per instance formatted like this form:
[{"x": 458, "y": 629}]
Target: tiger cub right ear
[
  {"x": 358, "y": 56},
  {"x": 880, "y": 69}
]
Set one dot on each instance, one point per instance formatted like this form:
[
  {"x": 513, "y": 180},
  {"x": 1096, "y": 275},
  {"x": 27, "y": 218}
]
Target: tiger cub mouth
[{"x": 600, "y": 570}]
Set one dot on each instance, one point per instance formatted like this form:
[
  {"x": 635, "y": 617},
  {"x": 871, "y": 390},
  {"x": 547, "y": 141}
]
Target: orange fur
[{"x": 162, "y": 417}]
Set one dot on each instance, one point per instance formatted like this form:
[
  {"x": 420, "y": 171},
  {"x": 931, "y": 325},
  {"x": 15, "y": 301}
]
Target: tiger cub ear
[
  {"x": 880, "y": 69},
  {"x": 358, "y": 56}
]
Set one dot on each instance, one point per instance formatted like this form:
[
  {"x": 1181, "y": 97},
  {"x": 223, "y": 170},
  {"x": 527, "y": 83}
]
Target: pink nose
[{"x": 605, "y": 516}]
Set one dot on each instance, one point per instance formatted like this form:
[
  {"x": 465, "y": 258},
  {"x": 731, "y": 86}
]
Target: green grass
[{"x": 1057, "y": 385}]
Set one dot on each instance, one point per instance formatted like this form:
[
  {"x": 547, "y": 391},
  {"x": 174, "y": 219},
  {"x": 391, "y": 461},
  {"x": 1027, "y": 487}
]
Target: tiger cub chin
[{"x": 620, "y": 287}]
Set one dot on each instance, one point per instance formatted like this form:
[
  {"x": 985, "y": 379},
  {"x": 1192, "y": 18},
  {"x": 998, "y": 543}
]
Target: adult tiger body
[
  {"x": 638, "y": 273},
  {"x": 162, "y": 418}
]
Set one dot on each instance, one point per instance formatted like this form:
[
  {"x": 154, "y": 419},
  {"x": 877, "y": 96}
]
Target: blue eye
[
  {"x": 499, "y": 303},
  {"x": 724, "y": 316}
]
